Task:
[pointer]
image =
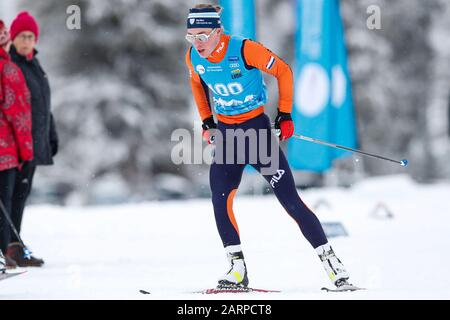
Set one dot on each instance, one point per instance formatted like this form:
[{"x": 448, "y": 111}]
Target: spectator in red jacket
[{"x": 16, "y": 143}]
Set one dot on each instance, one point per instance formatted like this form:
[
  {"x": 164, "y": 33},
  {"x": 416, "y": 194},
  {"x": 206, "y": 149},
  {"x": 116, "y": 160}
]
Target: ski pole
[
  {"x": 403, "y": 162},
  {"x": 26, "y": 252}
]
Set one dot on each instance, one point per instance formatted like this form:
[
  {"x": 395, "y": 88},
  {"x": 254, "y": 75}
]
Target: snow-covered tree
[{"x": 120, "y": 88}]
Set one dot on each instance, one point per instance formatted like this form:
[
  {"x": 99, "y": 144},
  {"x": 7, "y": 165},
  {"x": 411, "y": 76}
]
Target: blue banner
[
  {"x": 344, "y": 121},
  {"x": 238, "y": 17},
  {"x": 323, "y": 107}
]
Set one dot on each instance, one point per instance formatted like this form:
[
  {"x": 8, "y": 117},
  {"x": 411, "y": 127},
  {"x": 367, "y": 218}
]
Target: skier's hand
[
  {"x": 284, "y": 125},
  {"x": 208, "y": 130}
]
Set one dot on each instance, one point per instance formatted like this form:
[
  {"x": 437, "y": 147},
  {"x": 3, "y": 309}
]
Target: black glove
[
  {"x": 207, "y": 125},
  {"x": 53, "y": 136},
  {"x": 54, "y": 147}
]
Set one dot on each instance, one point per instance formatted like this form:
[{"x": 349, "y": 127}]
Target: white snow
[{"x": 172, "y": 248}]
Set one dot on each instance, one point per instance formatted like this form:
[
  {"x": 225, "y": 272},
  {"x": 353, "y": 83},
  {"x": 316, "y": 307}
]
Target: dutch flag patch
[{"x": 270, "y": 64}]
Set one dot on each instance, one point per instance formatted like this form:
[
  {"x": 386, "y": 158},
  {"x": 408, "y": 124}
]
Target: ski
[
  {"x": 235, "y": 290},
  {"x": 343, "y": 288},
  {"x": 226, "y": 290},
  {"x": 6, "y": 275}
]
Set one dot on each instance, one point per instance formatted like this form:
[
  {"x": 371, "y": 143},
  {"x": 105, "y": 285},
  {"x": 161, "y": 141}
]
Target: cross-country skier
[{"x": 230, "y": 68}]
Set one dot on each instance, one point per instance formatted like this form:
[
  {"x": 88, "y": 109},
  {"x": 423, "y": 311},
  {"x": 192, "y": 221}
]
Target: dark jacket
[{"x": 45, "y": 138}]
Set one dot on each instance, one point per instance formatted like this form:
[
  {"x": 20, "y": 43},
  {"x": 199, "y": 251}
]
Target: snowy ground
[{"x": 172, "y": 248}]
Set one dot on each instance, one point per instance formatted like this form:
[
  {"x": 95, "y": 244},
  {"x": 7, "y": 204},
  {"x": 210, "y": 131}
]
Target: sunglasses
[{"x": 200, "y": 37}]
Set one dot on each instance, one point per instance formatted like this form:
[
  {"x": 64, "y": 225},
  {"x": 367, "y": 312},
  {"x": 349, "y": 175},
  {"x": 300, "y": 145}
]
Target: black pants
[
  {"x": 22, "y": 189},
  {"x": 7, "y": 182}
]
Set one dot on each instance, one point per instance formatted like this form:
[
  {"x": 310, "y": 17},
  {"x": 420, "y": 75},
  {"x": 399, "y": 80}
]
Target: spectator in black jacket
[{"x": 24, "y": 34}]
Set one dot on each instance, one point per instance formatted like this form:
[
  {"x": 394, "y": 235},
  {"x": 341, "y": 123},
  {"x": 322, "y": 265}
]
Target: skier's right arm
[
  {"x": 199, "y": 90},
  {"x": 201, "y": 97}
]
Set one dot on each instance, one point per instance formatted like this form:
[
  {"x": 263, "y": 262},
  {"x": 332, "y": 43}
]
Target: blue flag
[
  {"x": 344, "y": 123},
  {"x": 323, "y": 107},
  {"x": 238, "y": 17}
]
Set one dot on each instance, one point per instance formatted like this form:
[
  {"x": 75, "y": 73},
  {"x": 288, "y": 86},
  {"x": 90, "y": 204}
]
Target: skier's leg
[
  {"x": 282, "y": 182},
  {"x": 225, "y": 176},
  {"x": 283, "y": 186},
  {"x": 224, "y": 181}
]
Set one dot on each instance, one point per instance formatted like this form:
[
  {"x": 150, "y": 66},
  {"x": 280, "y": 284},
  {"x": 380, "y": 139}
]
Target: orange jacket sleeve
[
  {"x": 258, "y": 56},
  {"x": 199, "y": 90}
]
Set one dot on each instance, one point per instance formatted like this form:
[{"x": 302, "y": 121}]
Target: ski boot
[
  {"x": 236, "y": 277},
  {"x": 333, "y": 266}
]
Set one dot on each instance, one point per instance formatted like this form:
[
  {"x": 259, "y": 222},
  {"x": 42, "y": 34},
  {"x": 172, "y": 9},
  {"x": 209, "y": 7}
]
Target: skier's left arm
[{"x": 258, "y": 56}]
